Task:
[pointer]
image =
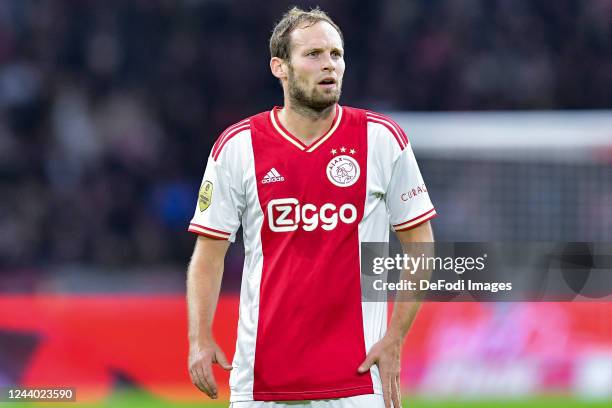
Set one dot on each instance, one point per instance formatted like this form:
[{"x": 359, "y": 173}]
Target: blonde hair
[{"x": 280, "y": 42}]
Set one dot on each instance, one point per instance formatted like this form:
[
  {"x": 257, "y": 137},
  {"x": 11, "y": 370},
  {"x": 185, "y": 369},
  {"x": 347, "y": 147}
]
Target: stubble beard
[{"x": 314, "y": 104}]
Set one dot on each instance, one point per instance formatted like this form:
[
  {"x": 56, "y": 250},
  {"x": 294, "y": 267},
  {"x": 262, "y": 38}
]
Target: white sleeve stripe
[
  {"x": 390, "y": 128},
  {"x": 221, "y": 138},
  {"x": 210, "y": 229},
  {"x": 393, "y": 123},
  {"x": 398, "y": 131},
  {"x": 232, "y": 127},
  {"x": 416, "y": 221},
  {"x": 230, "y": 135},
  {"x": 207, "y": 232},
  {"x": 397, "y": 127}
]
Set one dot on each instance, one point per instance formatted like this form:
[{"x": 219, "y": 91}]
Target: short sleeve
[
  {"x": 217, "y": 211},
  {"x": 407, "y": 197}
]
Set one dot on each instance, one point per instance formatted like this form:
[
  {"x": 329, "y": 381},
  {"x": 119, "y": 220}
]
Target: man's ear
[{"x": 278, "y": 67}]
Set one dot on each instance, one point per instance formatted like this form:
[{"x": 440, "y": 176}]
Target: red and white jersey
[{"x": 303, "y": 328}]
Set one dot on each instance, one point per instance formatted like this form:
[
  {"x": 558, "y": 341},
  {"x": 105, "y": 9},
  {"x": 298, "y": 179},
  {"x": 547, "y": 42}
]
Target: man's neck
[{"x": 306, "y": 124}]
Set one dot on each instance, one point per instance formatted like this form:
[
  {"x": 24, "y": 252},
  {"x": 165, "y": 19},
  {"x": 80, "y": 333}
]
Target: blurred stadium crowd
[{"x": 108, "y": 109}]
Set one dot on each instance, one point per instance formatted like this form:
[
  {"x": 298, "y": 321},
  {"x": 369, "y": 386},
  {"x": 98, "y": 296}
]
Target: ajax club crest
[{"x": 343, "y": 171}]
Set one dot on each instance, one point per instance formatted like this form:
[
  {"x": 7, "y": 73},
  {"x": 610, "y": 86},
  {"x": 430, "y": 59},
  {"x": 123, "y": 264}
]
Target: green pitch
[{"x": 131, "y": 399}]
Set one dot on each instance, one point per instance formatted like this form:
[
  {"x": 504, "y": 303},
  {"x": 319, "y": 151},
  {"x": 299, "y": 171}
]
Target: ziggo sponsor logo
[{"x": 287, "y": 214}]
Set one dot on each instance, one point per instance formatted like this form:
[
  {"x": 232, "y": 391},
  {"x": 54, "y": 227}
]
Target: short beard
[{"x": 311, "y": 106}]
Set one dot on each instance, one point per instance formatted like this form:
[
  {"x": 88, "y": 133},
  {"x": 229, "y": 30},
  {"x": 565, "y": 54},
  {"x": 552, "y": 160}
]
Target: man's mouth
[{"x": 328, "y": 82}]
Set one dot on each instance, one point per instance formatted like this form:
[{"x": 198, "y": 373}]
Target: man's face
[{"x": 316, "y": 66}]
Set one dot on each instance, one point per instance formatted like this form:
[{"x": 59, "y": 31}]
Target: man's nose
[{"x": 328, "y": 63}]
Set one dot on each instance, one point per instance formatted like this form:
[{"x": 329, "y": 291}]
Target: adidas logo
[{"x": 272, "y": 177}]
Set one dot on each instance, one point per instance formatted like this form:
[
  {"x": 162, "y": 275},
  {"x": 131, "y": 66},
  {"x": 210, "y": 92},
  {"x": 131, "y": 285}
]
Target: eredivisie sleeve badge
[{"x": 205, "y": 195}]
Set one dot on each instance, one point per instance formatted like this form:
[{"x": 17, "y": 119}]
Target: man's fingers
[
  {"x": 222, "y": 360},
  {"x": 196, "y": 378},
  {"x": 386, "y": 386},
  {"x": 367, "y": 363},
  {"x": 211, "y": 387},
  {"x": 200, "y": 368},
  {"x": 209, "y": 378},
  {"x": 395, "y": 392}
]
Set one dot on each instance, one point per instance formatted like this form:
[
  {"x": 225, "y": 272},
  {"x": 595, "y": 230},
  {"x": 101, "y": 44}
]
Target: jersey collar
[{"x": 284, "y": 133}]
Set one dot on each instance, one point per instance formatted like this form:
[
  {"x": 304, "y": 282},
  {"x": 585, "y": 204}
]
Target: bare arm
[
  {"x": 203, "y": 286},
  {"x": 387, "y": 352},
  {"x": 404, "y": 312}
]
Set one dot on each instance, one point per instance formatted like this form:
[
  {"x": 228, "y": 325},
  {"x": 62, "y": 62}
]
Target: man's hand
[
  {"x": 203, "y": 286},
  {"x": 200, "y": 367},
  {"x": 386, "y": 354}
]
